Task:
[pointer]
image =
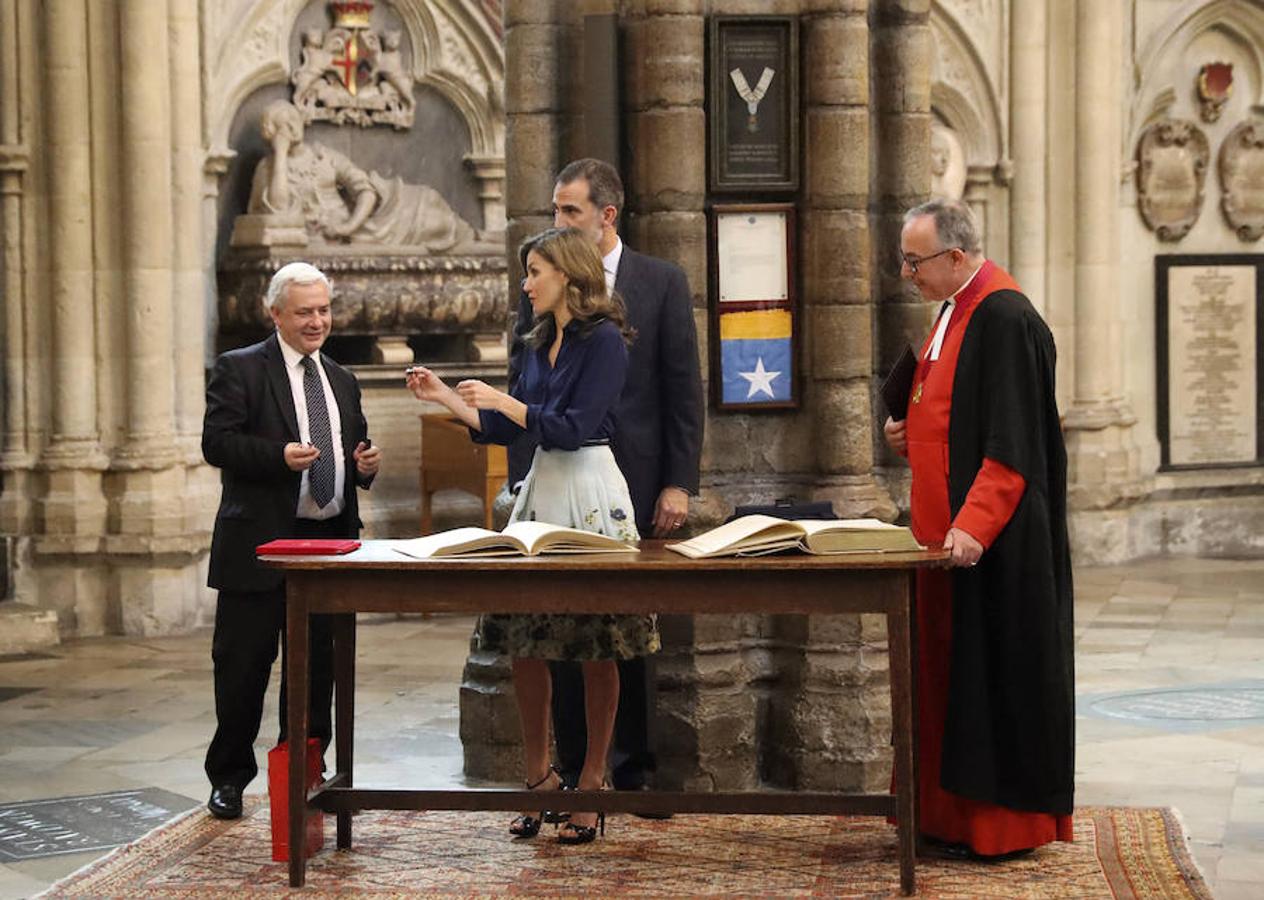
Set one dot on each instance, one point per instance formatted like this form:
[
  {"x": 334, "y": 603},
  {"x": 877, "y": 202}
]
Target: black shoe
[
  {"x": 652, "y": 814},
  {"x": 225, "y": 802}
]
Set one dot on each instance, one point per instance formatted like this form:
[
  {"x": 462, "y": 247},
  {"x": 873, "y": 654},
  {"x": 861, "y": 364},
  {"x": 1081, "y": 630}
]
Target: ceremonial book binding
[
  {"x": 518, "y": 539},
  {"x": 757, "y": 535},
  {"x": 307, "y": 547}
]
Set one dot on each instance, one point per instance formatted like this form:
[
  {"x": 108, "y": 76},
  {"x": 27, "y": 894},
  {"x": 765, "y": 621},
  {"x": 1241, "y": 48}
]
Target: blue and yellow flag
[{"x": 755, "y": 355}]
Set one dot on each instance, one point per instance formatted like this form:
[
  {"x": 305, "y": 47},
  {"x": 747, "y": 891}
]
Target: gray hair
[
  {"x": 293, "y": 273},
  {"x": 954, "y": 224}
]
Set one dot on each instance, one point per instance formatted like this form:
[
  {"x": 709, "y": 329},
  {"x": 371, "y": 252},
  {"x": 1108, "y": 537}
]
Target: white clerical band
[{"x": 937, "y": 342}]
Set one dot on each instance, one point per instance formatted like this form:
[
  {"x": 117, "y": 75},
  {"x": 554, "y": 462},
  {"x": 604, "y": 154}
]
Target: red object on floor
[{"x": 279, "y": 800}]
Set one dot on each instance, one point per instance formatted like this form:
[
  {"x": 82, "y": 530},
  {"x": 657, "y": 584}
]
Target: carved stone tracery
[
  {"x": 1241, "y": 165},
  {"x": 1172, "y": 158}
]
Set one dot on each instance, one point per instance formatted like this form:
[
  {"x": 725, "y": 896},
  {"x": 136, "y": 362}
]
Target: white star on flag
[{"x": 760, "y": 379}]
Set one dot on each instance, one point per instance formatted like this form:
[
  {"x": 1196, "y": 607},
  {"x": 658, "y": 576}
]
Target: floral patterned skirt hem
[{"x": 568, "y": 637}]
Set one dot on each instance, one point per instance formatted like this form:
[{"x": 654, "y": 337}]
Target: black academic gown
[{"x": 1010, "y": 730}]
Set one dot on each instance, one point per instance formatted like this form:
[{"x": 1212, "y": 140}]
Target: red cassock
[{"x": 986, "y": 828}]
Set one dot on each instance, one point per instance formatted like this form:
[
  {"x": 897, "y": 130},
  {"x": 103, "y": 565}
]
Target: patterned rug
[{"x": 1118, "y": 852}]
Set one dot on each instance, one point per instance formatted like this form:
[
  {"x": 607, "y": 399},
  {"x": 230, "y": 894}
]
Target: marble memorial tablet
[{"x": 1212, "y": 353}]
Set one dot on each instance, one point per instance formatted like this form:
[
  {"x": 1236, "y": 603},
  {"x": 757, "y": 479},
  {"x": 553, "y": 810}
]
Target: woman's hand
[
  {"x": 425, "y": 385},
  {"x": 481, "y": 395}
]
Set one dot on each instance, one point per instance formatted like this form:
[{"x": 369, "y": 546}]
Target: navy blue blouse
[{"x": 570, "y": 402}]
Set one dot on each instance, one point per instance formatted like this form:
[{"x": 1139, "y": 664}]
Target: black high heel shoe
[
  {"x": 571, "y": 833},
  {"x": 527, "y": 825}
]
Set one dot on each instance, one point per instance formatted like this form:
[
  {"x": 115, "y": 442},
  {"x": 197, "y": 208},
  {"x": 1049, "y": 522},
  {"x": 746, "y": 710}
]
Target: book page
[
  {"x": 813, "y": 526},
  {"x": 461, "y": 542},
  {"x": 748, "y": 532},
  {"x": 543, "y": 537},
  {"x": 856, "y": 536}
]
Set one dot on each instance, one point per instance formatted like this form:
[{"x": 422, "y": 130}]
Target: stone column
[
  {"x": 534, "y": 77},
  {"x": 902, "y": 57},
  {"x": 1102, "y": 454},
  {"x": 73, "y": 508},
  {"x": 188, "y": 293},
  {"x": 148, "y": 242},
  {"x": 15, "y": 455},
  {"x": 1028, "y": 134},
  {"x": 837, "y": 297}
]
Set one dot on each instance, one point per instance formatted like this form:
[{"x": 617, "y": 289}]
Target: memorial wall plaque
[
  {"x": 1209, "y": 367},
  {"x": 753, "y": 103}
]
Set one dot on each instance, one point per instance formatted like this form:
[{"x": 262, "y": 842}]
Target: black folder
[{"x": 896, "y": 386}]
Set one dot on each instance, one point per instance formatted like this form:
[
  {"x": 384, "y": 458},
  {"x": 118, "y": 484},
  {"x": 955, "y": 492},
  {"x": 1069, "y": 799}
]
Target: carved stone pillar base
[
  {"x": 1103, "y": 462},
  {"x": 856, "y": 496},
  {"x": 707, "y": 724},
  {"x": 490, "y": 734},
  {"x": 17, "y": 508},
  {"x": 161, "y": 599},
  {"x": 488, "y": 348},
  {"x": 150, "y": 508},
  {"x": 77, "y": 590},
  {"x": 71, "y": 511},
  {"x": 831, "y": 720}
]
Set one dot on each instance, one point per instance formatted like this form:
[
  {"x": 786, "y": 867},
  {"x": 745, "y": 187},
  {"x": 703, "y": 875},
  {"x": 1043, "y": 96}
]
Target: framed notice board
[
  {"x": 753, "y": 307},
  {"x": 753, "y": 103},
  {"x": 1209, "y": 328}
]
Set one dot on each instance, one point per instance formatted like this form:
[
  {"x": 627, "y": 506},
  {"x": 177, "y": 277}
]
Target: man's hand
[
  {"x": 896, "y": 435},
  {"x": 670, "y": 511},
  {"x": 367, "y": 459},
  {"x": 965, "y": 549},
  {"x": 299, "y": 456}
]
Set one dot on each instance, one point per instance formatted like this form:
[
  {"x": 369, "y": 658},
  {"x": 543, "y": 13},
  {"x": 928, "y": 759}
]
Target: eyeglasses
[{"x": 913, "y": 262}]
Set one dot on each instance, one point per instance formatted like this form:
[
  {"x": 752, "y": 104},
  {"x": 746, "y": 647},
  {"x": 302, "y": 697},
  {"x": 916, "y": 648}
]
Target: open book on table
[
  {"x": 518, "y": 539},
  {"x": 757, "y": 535}
]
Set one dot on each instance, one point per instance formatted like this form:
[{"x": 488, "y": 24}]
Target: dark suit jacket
[
  {"x": 659, "y": 419},
  {"x": 250, "y": 418}
]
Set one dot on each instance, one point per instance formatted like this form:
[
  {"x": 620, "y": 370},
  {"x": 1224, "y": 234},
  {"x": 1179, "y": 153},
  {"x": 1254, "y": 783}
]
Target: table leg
[
  {"x": 899, "y": 642},
  {"x": 344, "y": 685},
  {"x": 297, "y": 667}
]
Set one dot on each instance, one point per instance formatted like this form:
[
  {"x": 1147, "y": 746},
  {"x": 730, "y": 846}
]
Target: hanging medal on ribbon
[{"x": 752, "y": 96}]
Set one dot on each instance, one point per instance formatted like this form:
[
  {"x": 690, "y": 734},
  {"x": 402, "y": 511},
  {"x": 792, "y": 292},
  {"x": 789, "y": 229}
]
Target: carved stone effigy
[
  {"x": 1172, "y": 156},
  {"x": 1241, "y": 166}
]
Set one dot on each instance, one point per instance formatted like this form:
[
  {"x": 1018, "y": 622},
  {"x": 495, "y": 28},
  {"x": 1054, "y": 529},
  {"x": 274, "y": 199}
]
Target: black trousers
[
  {"x": 631, "y": 757},
  {"x": 248, "y": 626}
]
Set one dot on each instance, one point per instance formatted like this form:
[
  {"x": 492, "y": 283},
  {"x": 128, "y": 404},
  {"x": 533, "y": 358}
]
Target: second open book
[
  {"x": 518, "y": 539},
  {"x": 757, "y": 535}
]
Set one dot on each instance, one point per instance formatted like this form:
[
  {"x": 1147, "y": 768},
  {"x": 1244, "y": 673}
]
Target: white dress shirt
[
  {"x": 307, "y": 508},
  {"x": 610, "y": 263},
  {"x": 945, "y": 316}
]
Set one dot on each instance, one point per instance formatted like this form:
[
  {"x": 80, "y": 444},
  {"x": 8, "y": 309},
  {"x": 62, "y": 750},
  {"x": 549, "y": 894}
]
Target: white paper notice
[{"x": 752, "y": 251}]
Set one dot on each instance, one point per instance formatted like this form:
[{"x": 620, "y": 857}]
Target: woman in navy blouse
[{"x": 565, "y": 398}]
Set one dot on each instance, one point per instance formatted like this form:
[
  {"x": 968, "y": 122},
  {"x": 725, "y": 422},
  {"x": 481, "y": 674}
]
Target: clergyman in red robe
[{"x": 995, "y": 677}]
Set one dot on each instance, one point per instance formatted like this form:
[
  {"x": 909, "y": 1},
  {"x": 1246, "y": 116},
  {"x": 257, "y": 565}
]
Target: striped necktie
[{"x": 320, "y": 475}]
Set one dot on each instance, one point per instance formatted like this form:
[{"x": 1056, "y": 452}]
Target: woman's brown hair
[{"x": 572, "y": 252}]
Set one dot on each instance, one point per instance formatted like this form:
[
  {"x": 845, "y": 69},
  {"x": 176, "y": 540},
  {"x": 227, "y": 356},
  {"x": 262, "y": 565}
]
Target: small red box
[
  {"x": 307, "y": 547},
  {"x": 279, "y": 800}
]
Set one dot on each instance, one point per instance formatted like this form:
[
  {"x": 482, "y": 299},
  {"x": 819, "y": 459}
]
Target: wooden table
[
  {"x": 450, "y": 460},
  {"x": 376, "y": 578}
]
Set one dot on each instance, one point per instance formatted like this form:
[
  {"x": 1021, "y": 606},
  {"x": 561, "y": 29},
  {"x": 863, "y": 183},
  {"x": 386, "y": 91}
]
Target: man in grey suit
[
  {"x": 285, "y": 428},
  {"x": 657, "y": 443}
]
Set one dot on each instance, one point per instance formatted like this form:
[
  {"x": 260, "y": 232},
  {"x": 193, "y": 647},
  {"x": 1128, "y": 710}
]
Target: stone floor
[{"x": 1170, "y": 672}]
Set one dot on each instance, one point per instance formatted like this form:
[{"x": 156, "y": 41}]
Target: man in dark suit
[
  {"x": 657, "y": 443},
  {"x": 284, "y": 426}
]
